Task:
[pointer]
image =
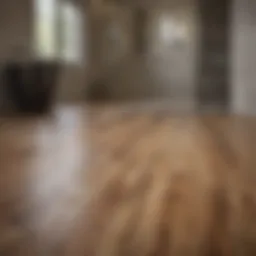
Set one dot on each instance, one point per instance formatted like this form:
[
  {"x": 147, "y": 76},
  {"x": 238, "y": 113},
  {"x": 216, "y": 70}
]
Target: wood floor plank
[{"x": 100, "y": 181}]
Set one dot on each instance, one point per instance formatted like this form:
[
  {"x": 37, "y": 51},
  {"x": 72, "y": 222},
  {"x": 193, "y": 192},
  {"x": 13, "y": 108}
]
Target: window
[
  {"x": 71, "y": 21},
  {"x": 58, "y": 31},
  {"x": 45, "y": 29}
]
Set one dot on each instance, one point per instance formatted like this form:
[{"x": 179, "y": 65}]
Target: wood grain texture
[{"x": 107, "y": 182}]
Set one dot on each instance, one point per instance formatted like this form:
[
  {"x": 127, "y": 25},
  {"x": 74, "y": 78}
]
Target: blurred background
[
  {"x": 193, "y": 54},
  {"x": 69, "y": 57}
]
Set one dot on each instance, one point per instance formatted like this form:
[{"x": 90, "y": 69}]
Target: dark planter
[{"x": 31, "y": 87}]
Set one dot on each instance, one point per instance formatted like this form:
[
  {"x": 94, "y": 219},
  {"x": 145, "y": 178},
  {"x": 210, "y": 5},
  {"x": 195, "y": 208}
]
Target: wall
[
  {"x": 15, "y": 34},
  {"x": 15, "y": 29},
  {"x": 110, "y": 39},
  {"x": 148, "y": 73},
  {"x": 214, "y": 53},
  {"x": 173, "y": 57},
  {"x": 72, "y": 80},
  {"x": 244, "y": 57}
]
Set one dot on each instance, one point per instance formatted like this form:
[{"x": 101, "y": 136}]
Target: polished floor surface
[{"x": 108, "y": 182}]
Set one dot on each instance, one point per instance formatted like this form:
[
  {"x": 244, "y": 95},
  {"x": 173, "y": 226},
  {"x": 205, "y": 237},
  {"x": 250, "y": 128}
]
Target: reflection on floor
[
  {"x": 105, "y": 182},
  {"x": 41, "y": 181}
]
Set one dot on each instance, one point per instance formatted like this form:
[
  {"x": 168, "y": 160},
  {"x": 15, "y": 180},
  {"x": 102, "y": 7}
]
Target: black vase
[{"x": 31, "y": 87}]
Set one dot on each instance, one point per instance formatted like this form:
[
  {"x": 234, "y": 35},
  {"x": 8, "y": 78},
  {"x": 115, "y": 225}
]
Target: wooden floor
[{"x": 105, "y": 182}]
